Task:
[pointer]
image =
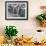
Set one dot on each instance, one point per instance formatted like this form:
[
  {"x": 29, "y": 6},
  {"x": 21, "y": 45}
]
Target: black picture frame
[{"x": 23, "y": 5}]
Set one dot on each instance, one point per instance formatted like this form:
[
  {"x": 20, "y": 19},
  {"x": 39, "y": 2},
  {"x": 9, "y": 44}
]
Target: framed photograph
[{"x": 16, "y": 10}]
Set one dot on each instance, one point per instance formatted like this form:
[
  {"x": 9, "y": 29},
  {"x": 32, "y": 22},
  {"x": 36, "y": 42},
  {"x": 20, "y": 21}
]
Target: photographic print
[{"x": 16, "y": 10}]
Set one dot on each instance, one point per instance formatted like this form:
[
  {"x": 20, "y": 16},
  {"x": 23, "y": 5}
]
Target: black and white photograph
[{"x": 16, "y": 10}]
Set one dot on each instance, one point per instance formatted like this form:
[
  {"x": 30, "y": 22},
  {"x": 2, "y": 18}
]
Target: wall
[{"x": 25, "y": 27}]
